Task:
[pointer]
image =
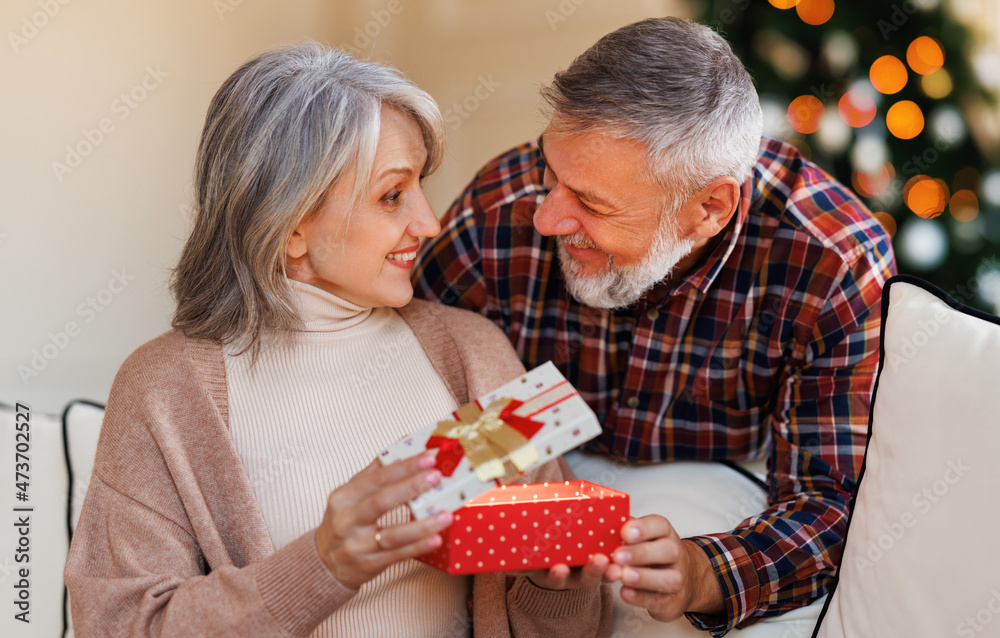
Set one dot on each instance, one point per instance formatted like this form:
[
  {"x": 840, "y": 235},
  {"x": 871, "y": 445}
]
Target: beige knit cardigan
[{"x": 171, "y": 541}]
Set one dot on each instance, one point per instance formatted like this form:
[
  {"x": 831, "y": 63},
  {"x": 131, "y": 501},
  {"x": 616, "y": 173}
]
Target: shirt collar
[{"x": 708, "y": 269}]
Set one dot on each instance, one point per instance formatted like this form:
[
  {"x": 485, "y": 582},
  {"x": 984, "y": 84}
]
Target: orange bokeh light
[
  {"x": 925, "y": 196},
  {"x": 888, "y": 74},
  {"x": 924, "y": 55},
  {"x": 783, "y": 4},
  {"x": 873, "y": 184},
  {"x": 964, "y": 206},
  {"x": 805, "y": 113},
  {"x": 856, "y": 108},
  {"x": 887, "y": 222},
  {"x": 905, "y": 120},
  {"x": 814, "y": 12}
]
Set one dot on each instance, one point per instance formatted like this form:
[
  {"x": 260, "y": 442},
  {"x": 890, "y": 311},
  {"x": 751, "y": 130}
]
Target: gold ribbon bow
[{"x": 494, "y": 439}]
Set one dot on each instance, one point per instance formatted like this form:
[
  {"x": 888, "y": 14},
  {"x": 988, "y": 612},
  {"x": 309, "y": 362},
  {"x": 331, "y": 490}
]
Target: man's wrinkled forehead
[{"x": 585, "y": 192}]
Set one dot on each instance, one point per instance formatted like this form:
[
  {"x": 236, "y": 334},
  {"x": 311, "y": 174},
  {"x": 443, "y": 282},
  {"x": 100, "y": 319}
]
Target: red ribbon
[{"x": 450, "y": 453}]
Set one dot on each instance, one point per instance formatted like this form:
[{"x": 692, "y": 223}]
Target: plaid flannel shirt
[{"x": 769, "y": 345}]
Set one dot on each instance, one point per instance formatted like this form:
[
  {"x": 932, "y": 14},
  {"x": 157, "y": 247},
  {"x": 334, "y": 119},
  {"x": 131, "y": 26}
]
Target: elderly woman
[{"x": 296, "y": 355}]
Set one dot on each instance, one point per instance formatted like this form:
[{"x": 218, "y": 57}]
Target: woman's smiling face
[{"x": 366, "y": 256}]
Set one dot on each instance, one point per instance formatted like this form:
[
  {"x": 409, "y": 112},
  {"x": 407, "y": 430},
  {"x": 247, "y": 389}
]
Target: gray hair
[
  {"x": 281, "y": 130},
  {"x": 675, "y": 86}
]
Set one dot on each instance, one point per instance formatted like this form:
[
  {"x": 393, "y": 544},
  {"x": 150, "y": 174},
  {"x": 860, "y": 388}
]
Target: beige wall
[
  {"x": 88, "y": 235},
  {"x": 484, "y": 60}
]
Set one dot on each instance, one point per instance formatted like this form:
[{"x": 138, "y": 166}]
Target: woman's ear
[
  {"x": 297, "y": 245},
  {"x": 714, "y": 206}
]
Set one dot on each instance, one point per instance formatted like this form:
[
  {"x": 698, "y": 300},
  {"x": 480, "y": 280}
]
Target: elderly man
[{"x": 712, "y": 294}]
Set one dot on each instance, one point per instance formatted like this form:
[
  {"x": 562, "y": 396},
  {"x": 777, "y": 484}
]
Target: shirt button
[
  {"x": 632, "y": 401},
  {"x": 652, "y": 313}
]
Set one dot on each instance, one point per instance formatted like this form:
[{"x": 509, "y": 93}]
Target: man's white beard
[{"x": 620, "y": 286}]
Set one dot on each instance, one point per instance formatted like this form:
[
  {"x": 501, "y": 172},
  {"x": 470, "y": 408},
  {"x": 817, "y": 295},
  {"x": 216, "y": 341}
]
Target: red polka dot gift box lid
[
  {"x": 493, "y": 440},
  {"x": 532, "y": 526}
]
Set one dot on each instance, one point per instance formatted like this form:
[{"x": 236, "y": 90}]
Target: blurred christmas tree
[{"x": 889, "y": 97}]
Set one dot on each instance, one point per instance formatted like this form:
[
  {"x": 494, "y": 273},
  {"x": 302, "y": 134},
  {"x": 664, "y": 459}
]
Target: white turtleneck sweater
[{"x": 311, "y": 414}]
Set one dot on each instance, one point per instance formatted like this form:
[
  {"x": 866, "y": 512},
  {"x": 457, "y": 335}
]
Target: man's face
[{"x": 615, "y": 238}]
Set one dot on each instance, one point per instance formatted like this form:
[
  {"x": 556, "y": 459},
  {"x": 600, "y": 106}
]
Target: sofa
[
  {"x": 60, "y": 449},
  {"x": 920, "y": 553},
  {"x": 700, "y": 497}
]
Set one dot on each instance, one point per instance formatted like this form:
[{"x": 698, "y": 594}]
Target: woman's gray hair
[
  {"x": 279, "y": 133},
  {"x": 675, "y": 86}
]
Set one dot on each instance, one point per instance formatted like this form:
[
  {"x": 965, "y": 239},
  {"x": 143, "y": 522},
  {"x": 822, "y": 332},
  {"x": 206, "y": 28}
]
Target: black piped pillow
[{"x": 921, "y": 556}]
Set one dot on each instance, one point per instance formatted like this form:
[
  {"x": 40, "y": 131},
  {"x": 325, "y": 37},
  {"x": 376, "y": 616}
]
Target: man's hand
[
  {"x": 562, "y": 577},
  {"x": 666, "y": 575}
]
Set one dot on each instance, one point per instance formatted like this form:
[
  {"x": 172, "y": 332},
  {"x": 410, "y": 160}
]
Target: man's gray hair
[
  {"x": 675, "y": 86},
  {"x": 279, "y": 133}
]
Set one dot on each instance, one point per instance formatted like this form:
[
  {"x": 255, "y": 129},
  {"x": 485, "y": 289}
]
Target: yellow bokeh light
[
  {"x": 888, "y": 74},
  {"x": 887, "y": 222},
  {"x": 925, "y": 196},
  {"x": 856, "y": 108},
  {"x": 783, "y": 4},
  {"x": 805, "y": 113},
  {"x": 936, "y": 85},
  {"x": 814, "y": 12},
  {"x": 964, "y": 206},
  {"x": 924, "y": 55},
  {"x": 905, "y": 120}
]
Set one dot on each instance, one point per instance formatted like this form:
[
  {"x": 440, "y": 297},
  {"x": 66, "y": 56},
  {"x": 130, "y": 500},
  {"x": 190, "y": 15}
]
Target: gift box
[
  {"x": 532, "y": 526},
  {"x": 493, "y": 440}
]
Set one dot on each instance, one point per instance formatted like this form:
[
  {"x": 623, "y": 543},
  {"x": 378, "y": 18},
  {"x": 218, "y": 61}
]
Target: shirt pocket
[
  {"x": 721, "y": 379},
  {"x": 734, "y": 433}
]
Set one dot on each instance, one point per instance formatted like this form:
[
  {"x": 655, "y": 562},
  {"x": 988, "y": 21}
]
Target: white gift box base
[{"x": 566, "y": 422}]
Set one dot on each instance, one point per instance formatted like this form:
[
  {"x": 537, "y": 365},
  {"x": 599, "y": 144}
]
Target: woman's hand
[{"x": 346, "y": 539}]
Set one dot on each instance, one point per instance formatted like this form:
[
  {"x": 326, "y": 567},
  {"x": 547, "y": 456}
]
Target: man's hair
[
  {"x": 279, "y": 133},
  {"x": 675, "y": 86}
]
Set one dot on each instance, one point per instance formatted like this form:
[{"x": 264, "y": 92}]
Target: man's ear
[{"x": 714, "y": 205}]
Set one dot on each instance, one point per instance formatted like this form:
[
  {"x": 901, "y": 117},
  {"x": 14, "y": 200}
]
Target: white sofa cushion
[
  {"x": 921, "y": 551},
  {"x": 47, "y": 489},
  {"x": 81, "y": 421},
  {"x": 697, "y": 498}
]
